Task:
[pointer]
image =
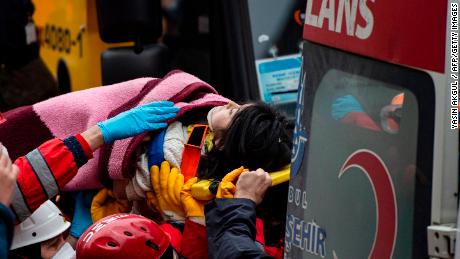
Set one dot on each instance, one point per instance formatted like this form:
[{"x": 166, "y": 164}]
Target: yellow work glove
[
  {"x": 167, "y": 183},
  {"x": 105, "y": 204},
  {"x": 227, "y": 186},
  {"x": 192, "y": 206}
]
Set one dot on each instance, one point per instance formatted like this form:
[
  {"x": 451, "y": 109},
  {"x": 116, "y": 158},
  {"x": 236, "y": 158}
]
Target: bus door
[
  {"x": 365, "y": 167},
  {"x": 71, "y": 46}
]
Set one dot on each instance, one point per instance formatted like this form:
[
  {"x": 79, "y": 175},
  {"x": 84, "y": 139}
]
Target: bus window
[{"x": 360, "y": 183}]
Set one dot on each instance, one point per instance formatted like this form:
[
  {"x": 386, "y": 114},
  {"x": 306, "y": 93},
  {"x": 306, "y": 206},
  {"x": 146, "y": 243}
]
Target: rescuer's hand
[
  {"x": 253, "y": 185},
  {"x": 167, "y": 183},
  {"x": 148, "y": 117},
  {"x": 227, "y": 186},
  {"x": 8, "y": 174},
  {"x": 105, "y": 204},
  {"x": 192, "y": 206}
]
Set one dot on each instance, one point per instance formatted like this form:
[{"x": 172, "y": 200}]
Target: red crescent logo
[{"x": 386, "y": 222}]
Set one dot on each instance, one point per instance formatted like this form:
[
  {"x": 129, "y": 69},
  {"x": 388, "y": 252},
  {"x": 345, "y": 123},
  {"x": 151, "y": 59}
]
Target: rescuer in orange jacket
[
  {"x": 47, "y": 169},
  {"x": 44, "y": 171}
]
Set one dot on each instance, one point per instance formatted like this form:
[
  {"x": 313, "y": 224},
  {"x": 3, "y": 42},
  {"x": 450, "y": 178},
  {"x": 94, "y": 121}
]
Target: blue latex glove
[
  {"x": 343, "y": 105},
  {"x": 144, "y": 118},
  {"x": 155, "y": 154},
  {"x": 82, "y": 214}
]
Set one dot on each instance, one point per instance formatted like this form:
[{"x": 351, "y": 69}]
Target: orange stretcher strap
[{"x": 192, "y": 151}]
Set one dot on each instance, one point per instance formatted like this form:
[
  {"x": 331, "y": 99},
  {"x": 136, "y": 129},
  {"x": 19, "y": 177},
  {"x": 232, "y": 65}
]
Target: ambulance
[{"x": 375, "y": 162}]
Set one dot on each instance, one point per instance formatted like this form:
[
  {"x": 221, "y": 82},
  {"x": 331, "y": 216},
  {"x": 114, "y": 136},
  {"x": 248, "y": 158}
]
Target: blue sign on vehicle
[{"x": 279, "y": 78}]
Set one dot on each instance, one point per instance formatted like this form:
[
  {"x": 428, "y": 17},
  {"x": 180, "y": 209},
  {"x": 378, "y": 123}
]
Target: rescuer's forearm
[{"x": 93, "y": 137}]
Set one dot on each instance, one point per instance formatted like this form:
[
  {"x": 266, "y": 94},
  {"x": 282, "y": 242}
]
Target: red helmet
[{"x": 123, "y": 236}]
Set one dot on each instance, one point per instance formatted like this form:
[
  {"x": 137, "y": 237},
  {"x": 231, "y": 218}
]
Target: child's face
[{"x": 220, "y": 117}]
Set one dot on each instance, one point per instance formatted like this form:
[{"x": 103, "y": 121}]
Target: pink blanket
[{"x": 72, "y": 113}]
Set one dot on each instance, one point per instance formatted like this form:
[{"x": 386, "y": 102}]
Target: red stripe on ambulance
[{"x": 411, "y": 33}]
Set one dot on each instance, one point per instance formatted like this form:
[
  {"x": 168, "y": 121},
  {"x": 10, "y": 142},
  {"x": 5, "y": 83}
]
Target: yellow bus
[{"x": 70, "y": 43}]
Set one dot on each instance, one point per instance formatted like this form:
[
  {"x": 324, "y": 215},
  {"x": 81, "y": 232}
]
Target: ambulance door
[
  {"x": 361, "y": 172},
  {"x": 262, "y": 42}
]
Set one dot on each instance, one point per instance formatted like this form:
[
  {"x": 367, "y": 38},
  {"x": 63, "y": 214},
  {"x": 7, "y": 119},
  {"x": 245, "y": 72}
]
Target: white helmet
[{"x": 45, "y": 223}]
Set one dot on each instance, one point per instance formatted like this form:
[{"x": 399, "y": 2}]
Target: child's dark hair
[{"x": 258, "y": 137}]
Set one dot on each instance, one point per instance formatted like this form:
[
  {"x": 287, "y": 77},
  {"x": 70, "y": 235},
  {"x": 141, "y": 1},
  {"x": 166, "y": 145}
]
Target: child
[{"x": 252, "y": 135}]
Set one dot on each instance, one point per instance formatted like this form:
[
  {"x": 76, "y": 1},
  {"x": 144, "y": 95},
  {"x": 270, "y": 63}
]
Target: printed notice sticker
[{"x": 279, "y": 78}]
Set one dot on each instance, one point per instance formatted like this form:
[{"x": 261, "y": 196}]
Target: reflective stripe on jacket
[{"x": 44, "y": 171}]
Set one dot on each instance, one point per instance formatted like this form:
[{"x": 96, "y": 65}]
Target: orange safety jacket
[{"x": 44, "y": 171}]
